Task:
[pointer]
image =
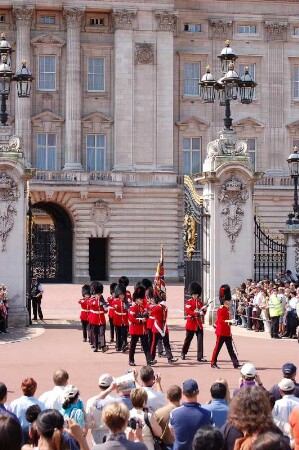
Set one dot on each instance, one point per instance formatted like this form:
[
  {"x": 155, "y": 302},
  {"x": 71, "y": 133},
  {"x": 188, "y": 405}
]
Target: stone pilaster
[
  {"x": 123, "y": 22},
  {"x": 73, "y": 18},
  {"x": 23, "y": 16}
]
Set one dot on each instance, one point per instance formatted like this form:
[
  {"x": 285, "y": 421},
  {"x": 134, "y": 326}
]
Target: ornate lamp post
[
  {"x": 293, "y": 162},
  {"x": 229, "y": 87},
  {"x": 23, "y": 78}
]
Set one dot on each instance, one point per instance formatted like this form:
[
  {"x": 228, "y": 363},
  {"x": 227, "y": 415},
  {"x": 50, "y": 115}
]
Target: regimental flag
[{"x": 159, "y": 281}]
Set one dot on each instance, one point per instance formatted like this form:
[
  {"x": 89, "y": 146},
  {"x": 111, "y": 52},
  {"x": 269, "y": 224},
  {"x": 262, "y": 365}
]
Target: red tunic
[
  {"x": 159, "y": 313},
  {"x": 222, "y": 327},
  {"x": 136, "y": 319},
  {"x": 84, "y": 302},
  {"x": 120, "y": 313},
  {"x": 110, "y": 301},
  {"x": 96, "y": 312},
  {"x": 150, "y": 320},
  {"x": 193, "y": 322}
]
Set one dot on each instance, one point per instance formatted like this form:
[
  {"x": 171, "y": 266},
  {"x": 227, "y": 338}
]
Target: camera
[{"x": 133, "y": 423}]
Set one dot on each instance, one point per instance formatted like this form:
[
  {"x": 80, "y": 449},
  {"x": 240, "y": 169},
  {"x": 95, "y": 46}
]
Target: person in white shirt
[
  {"x": 53, "y": 399},
  {"x": 94, "y": 407},
  {"x": 283, "y": 407},
  {"x": 156, "y": 397}
]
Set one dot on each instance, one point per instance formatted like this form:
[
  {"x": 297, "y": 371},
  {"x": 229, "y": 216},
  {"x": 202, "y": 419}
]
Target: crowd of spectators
[
  {"x": 140, "y": 416},
  {"x": 269, "y": 306}
]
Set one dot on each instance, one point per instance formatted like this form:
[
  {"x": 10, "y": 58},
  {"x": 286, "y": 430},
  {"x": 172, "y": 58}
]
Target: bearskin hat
[
  {"x": 85, "y": 289},
  {"x": 124, "y": 280},
  {"x": 96, "y": 288},
  {"x": 139, "y": 293},
  {"x": 120, "y": 289},
  {"x": 224, "y": 293},
  {"x": 112, "y": 288},
  {"x": 195, "y": 288},
  {"x": 146, "y": 283}
]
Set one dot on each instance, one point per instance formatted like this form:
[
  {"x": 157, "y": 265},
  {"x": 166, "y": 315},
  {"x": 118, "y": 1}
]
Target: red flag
[{"x": 159, "y": 281}]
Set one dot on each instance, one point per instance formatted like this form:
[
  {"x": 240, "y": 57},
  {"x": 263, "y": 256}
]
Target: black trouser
[
  {"x": 111, "y": 328},
  {"x": 36, "y": 307},
  {"x": 188, "y": 340},
  {"x": 291, "y": 324},
  {"x": 84, "y": 324},
  {"x": 150, "y": 340},
  {"x": 121, "y": 337},
  {"x": 98, "y": 332},
  {"x": 228, "y": 341},
  {"x": 274, "y": 326},
  {"x": 165, "y": 339},
  {"x": 144, "y": 344}
]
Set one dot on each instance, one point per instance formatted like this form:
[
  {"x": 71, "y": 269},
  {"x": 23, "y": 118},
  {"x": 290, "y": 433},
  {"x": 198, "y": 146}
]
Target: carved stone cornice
[
  {"x": 166, "y": 20},
  {"x": 276, "y": 31},
  {"x": 220, "y": 28},
  {"x": 123, "y": 19},
  {"x": 23, "y": 14},
  {"x": 9, "y": 194},
  {"x": 47, "y": 39},
  {"x": 144, "y": 53},
  {"x": 73, "y": 17},
  {"x": 232, "y": 195}
]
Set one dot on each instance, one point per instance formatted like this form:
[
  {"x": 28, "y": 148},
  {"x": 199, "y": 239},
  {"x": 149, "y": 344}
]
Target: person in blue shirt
[
  {"x": 218, "y": 405},
  {"x": 3, "y": 400},
  {"x": 185, "y": 420},
  {"x": 72, "y": 406}
]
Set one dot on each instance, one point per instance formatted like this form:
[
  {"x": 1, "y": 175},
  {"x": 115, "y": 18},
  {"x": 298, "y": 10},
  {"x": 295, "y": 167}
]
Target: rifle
[{"x": 203, "y": 308}]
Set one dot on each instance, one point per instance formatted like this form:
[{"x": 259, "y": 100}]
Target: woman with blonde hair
[{"x": 142, "y": 415}]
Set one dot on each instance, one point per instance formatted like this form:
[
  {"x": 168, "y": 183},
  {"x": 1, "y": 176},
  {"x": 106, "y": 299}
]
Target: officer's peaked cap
[{"x": 195, "y": 288}]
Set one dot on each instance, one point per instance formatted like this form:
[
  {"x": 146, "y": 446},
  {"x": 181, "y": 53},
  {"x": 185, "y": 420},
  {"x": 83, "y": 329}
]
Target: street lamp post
[
  {"x": 293, "y": 162},
  {"x": 23, "y": 78},
  {"x": 229, "y": 87}
]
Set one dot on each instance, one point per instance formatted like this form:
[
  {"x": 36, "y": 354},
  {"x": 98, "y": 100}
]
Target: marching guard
[
  {"x": 195, "y": 311},
  {"x": 97, "y": 310},
  {"x": 84, "y": 303},
  {"x": 120, "y": 319},
  {"x": 138, "y": 314},
  {"x": 223, "y": 328}
]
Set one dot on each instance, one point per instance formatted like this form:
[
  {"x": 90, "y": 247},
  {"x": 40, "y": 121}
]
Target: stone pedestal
[
  {"x": 291, "y": 239},
  {"x": 228, "y": 180},
  {"x": 13, "y": 207}
]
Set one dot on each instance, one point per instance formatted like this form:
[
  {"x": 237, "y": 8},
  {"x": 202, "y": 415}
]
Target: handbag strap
[{"x": 146, "y": 420}]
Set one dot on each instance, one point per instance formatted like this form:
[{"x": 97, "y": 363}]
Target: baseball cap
[
  {"x": 105, "y": 380},
  {"x": 190, "y": 387},
  {"x": 248, "y": 370},
  {"x": 288, "y": 369},
  {"x": 286, "y": 385},
  {"x": 70, "y": 391}
]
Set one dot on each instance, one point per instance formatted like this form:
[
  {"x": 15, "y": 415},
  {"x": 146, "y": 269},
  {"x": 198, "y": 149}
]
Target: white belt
[
  {"x": 96, "y": 312},
  {"x": 120, "y": 314},
  {"x": 85, "y": 310}
]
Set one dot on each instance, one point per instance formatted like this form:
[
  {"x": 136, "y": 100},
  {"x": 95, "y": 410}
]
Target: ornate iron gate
[
  {"x": 269, "y": 254},
  {"x": 194, "y": 236}
]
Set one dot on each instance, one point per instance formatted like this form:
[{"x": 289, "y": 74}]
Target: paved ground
[{"x": 57, "y": 342}]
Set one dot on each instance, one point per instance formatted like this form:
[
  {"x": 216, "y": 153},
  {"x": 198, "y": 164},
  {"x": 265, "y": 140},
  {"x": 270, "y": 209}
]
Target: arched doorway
[{"x": 51, "y": 243}]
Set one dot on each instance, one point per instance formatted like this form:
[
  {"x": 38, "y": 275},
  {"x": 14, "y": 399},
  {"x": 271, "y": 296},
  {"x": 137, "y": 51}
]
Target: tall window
[
  {"x": 191, "y": 156},
  {"x": 296, "y": 82},
  {"x": 251, "y": 147},
  {"x": 47, "y": 73},
  {"x": 191, "y": 78},
  {"x": 95, "y": 152},
  {"x": 46, "y": 151},
  {"x": 247, "y": 29},
  {"x": 96, "y": 78}
]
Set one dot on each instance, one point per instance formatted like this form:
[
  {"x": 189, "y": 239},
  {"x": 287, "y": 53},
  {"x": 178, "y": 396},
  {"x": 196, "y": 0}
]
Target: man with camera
[{"x": 149, "y": 380}]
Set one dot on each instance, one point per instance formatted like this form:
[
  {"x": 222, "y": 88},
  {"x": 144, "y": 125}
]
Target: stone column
[
  {"x": 13, "y": 201},
  {"x": 73, "y": 18},
  {"x": 123, "y": 23},
  {"x": 23, "y": 16},
  {"x": 166, "y": 25},
  {"x": 228, "y": 181},
  {"x": 291, "y": 238}
]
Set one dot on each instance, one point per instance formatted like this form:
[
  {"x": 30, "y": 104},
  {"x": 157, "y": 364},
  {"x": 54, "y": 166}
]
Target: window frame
[
  {"x": 47, "y": 149},
  {"x": 191, "y": 151},
  {"x": 245, "y": 26},
  {"x": 92, "y": 91},
  {"x": 192, "y": 24},
  {"x": 95, "y": 148},
  {"x": 198, "y": 62},
  {"x": 250, "y": 152},
  {"x": 39, "y": 73}
]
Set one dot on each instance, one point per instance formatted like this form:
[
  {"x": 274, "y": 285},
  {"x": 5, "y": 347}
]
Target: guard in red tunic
[
  {"x": 138, "y": 314},
  {"x": 120, "y": 320},
  {"x": 97, "y": 310},
  {"x": 223, "y": 328},
  {"x": 84, "y": 303},
  {"x": 160, "y": 329},
  {"x": 125, "y": 281},
  {"x": 110, "y": 301},
  {"x": 195, "y": 311}
]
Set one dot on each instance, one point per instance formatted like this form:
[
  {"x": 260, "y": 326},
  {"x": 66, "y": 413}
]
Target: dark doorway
[
  {"x": 51, "y": 243},
  {"x": 98, "y": 259}
]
